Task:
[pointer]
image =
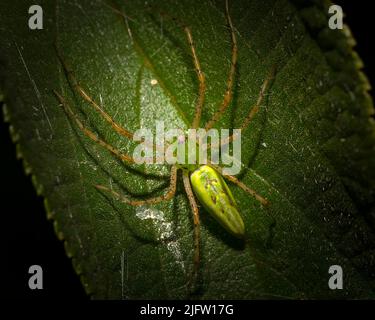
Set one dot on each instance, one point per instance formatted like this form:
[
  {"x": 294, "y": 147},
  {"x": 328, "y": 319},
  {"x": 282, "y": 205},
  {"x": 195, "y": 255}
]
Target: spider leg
[
  {"x": 243, "y": 186},
  {"x": 89, "y": 133},
  {"x": 261, "y": 95},
  {"x": 254, "y": 109},
  {"x": 229, "y": 91},
  {"x": 74, "y": 82},
  {"x": 167, "y": 196},
  {"x": 198, "y": 70},
  {"x": 195, "y": 210},
  {"x": 201, "y": 79}
]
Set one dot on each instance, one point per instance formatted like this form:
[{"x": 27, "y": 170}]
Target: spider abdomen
[{"x": 214, "y": 194}]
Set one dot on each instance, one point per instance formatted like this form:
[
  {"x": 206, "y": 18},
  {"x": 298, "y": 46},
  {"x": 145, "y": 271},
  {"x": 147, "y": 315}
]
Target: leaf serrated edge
[
  {"x": 365, "y": 88},
  {"x": 50, "y": 214}
]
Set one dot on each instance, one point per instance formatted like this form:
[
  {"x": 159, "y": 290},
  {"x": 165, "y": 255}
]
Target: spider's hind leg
[{"x": 243, "y": 186}]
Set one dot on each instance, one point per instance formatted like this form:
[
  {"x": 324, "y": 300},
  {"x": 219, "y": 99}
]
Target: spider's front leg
[
  {"x": 233, "y": 64},
  {"x": 78, "y": 88},
  {"x": 254, "y": 109}
]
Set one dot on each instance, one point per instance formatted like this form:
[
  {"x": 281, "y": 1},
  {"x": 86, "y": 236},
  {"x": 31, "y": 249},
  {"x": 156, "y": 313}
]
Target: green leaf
[{"x": 310, "y": 150}]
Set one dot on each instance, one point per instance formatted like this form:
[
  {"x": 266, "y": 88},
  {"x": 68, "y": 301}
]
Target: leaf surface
[{"x": 310, "y": 150}]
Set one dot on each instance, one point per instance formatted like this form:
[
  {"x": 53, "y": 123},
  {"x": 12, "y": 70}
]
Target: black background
[{"x": 30, "y": 238}]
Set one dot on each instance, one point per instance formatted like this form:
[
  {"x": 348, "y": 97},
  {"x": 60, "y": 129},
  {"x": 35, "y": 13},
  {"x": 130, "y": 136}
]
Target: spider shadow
[
  {"x": 122, "y": 164},
  {"x": 251, "y": 159},
  {"x": 254, "y": 155},
  {"x": 216, "y": 230},
  {"x": 90, "y": 154},
  {"x": 175, "y": 42}
]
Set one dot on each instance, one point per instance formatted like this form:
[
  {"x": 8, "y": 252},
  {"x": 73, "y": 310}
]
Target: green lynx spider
[{"x": 202, "y": 181}]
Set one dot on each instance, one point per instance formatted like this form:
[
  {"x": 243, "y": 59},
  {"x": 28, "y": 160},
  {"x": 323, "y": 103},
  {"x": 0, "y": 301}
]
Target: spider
[{"x": 202, "y": 181}]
